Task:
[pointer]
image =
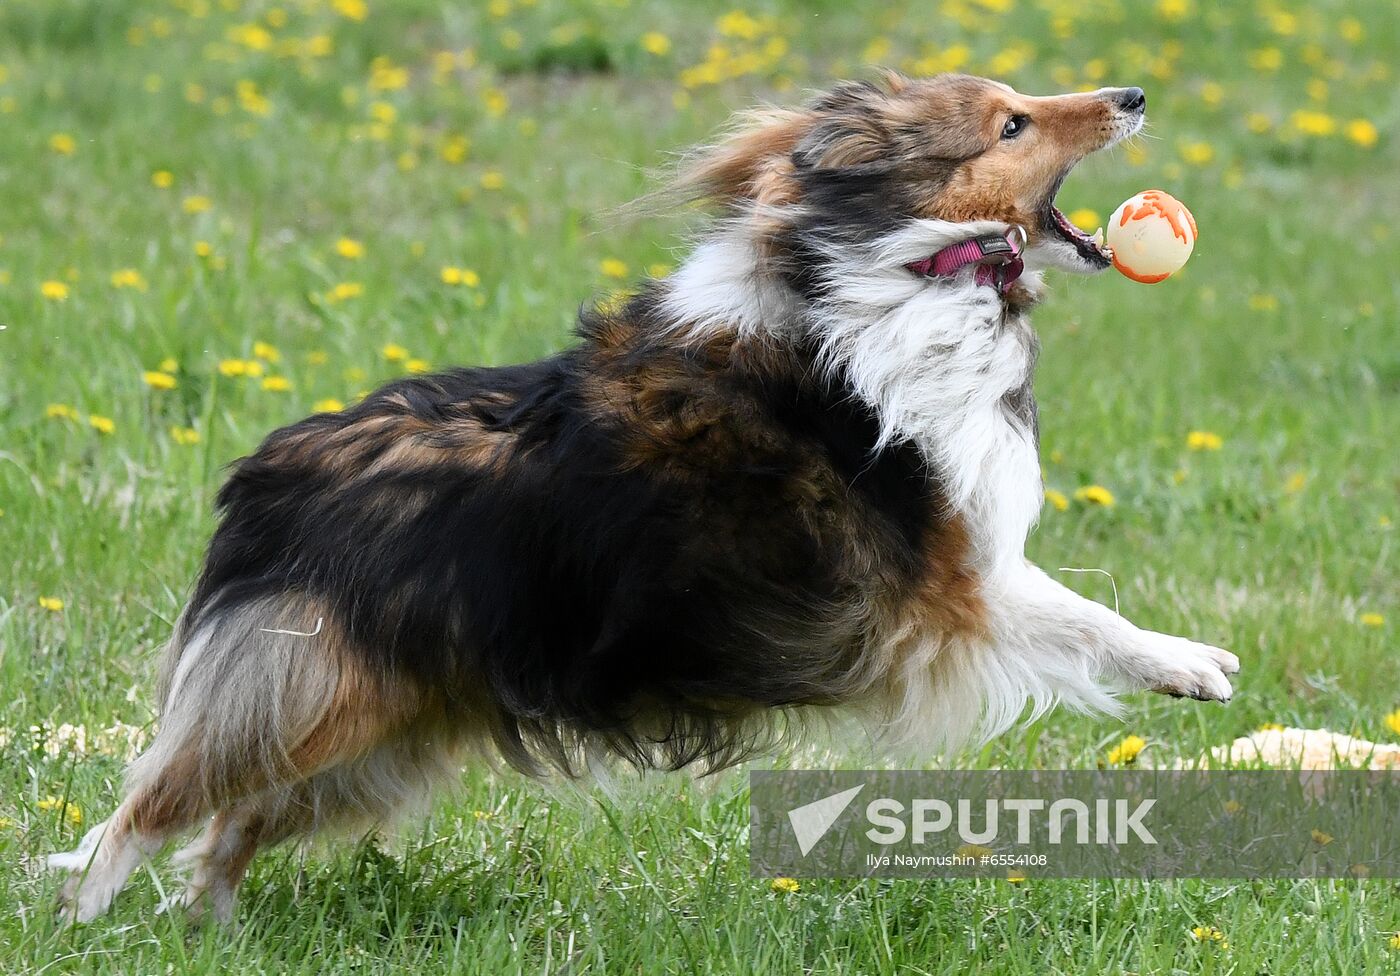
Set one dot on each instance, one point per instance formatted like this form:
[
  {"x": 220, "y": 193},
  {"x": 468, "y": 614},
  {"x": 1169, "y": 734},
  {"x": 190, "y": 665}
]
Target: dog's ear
[
  {"x": 752, "y": 163},
  {"x": 849, "y": 129}
]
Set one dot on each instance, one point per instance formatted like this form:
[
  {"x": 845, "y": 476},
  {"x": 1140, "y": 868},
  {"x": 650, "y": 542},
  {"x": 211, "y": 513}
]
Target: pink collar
[{"x": 997, "y": 257}]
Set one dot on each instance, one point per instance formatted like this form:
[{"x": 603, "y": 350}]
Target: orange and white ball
[{"x": 1152, "y": 234}]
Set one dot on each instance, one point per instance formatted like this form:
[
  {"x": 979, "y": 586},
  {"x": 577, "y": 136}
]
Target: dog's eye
[{"x": 1014, "y": 126}]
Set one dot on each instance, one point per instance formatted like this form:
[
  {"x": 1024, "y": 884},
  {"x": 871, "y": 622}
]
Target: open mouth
[
  {"x": 1053, "y": 223},
  {"x": 1090, "y": 247}
]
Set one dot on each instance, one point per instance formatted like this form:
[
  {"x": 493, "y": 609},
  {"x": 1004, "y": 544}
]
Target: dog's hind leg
[
  {"x": 366, "y": 790},
  {"x": 159, "y": 807},
  {"x": 221, "y": 855},
  {"x": 258, "y": 700}
]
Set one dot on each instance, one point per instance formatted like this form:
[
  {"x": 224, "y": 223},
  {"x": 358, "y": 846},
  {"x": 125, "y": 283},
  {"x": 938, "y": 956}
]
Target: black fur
[{"x": 575, "y": 587}]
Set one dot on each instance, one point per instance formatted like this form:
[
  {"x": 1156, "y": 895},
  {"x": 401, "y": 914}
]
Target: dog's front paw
[{"x": 1186, "y": 669}]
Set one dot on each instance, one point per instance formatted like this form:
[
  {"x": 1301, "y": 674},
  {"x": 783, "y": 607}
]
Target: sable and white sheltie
[{"x": 797, "y": 473}]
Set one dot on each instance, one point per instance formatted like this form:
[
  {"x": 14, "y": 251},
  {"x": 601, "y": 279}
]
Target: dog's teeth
[{"x": 1097, "y": 238}]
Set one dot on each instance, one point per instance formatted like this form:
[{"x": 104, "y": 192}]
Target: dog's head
[{"x": 862, "y": 158}]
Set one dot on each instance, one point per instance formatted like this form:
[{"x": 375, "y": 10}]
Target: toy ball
[{"x": 1151, "y": 235}]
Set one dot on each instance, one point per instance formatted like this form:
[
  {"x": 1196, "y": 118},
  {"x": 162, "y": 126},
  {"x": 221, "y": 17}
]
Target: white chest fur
[{"x": 944, "y": 366}]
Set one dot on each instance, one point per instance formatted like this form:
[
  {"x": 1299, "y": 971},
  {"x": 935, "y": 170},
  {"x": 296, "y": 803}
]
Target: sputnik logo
[{"x": 811, "y": 821}]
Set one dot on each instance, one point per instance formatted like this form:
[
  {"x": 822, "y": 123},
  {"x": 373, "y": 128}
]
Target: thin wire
[
  {"x": 1071, "y": 569},
  {"x": 296, "y": 633}
]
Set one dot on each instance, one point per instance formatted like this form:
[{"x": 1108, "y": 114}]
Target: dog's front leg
[{"x": 1048, "y": 618}]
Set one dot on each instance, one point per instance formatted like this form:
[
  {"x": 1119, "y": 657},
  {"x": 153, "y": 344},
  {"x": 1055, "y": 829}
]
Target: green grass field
[{"x": 216, "y": 214}]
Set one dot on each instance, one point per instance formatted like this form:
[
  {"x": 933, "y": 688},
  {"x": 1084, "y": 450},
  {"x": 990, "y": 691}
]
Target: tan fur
[
  {"x": 273, "y": 734},
  {"x": 749, "y": 164}
]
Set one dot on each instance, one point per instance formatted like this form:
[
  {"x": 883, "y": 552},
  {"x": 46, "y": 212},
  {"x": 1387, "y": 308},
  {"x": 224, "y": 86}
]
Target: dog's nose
[{"x": 1131, "y": 99}]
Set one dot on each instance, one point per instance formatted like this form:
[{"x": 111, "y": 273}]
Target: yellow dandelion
[
  {"x": 1321, "y": 837},
  {"x": 266, "y": 351},
  {"x": 1233, "y": 807},
  {"x": 394, "y": 353},
  {"x": 1015, "y": 877},
  {"x": 184, "y": 436},
  {"x": 455, "y": 149},
  {"x": 349, "y": 248},
  {"x": 277, "y": 384},
  {"x": 317, "y": 357},
  {"x": 128, "y": 278},
  {"x": 233, "y": 367},
  {"x": 351, "y": 9},
  {"x": 60, "y": 411},
  {"x": 784, "y": 886},
  {"x": 101, "y": 424},
  {"x": 162, "y": 179},
  {"x": 1204, "y": 440},
  {"x": 1372, "y": 620},
  {"x": 1313, "y": 123},
  {"x": 54, "y": 291},
  {"x": 659, "y": 269},
  {"x": 203, "y": 249},
  {"x": 383, "y": 113},
  {"x": 63, "y": 144},
  {"x": 492, "y": 179},
  {"x": 196, "y": 204},
  {"x": 417, "y": 366},
  {"x": 1095, "y": 495},
  {"x": 738, "y": 24},
  {"x": 496, "y": 102},
  {"x": 1265, "y": 59},
  {"x": 613, "y": 268},
  {"x": 1258, "y": 123},
  {"x": 51, "y": 603},
  {"x": 460, "y": 276},
  {"x": 327, "y": 405},
  {"x": 1394, "y": 942},
  {"x": 71, "y": 812},
  {"x": 654, "y": 42},
  {"x": 1263, "y": 302},
  {"x": 1362, "y": 132},
  {"x": 1296, "y": 482},
  {"x": 1197, "y": 153},
  {"x": 1085, "y": 219},
  {"x": 1126, "y": 752},
  {"x": 345, "y": 290},
  {"x": 158, "y": 380},
  {"x": 168, "y": 365},
  {"x": 1057, "y": 499},
  {"x": 384, "y": 75},
  {"x": 1174, "y": 10},
  {"x": 1210, "y": 935}
]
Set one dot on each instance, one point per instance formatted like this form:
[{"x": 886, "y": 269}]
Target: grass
[{"x": 301, "y": 123}]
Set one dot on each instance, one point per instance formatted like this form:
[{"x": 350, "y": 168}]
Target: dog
[{"x": 797, "y": 473}]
